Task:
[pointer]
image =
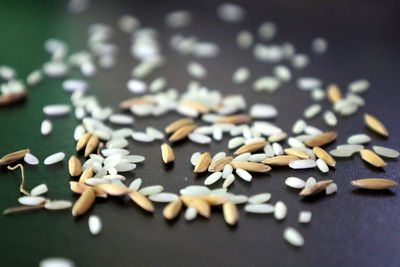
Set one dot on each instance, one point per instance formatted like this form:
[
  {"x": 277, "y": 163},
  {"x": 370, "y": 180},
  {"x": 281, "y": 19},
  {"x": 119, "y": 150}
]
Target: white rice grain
[
  {"x": 151, "y": 190},
  {"x": 31, "y": 159},
  {"x": 295, "y": 182},
  {"x": 199, "y": 138},
  {"x": 190, "y": 214},
  {"x": 164, "y": 197},
  {"x": 56, "y": 110},
  {"x": 259, "y": 208},
  {"x": 312, "y": 111},
  {"x": 293, "y": 237},
  {"x": 302, "y": 164},
  {"x": 228, "y": 181},
  {"x": 39, "y": 190},
  {"x": 54, "y": 158},
  {"x": 213, "y": 178},
  {"x": 31, "y": 200},
  {"x": 280, "y": 210},
  {"x": 357, "y": 139},
  {"x": 322, "y": 166},
  {"x": 121, "y": 119},
  {"x": 259, "y": 198},
  {"x": 386, "y": 152},
  {"x": 58, "y": 205},
  {"x": 244, "y": 174},
  {"x": 305, "y": 216},
  {"x": 135, "y": 184},
  {"x": 56, "y": 262},
  {"x": 95, "y": 224},
  {"x": 330, "y": 189}
]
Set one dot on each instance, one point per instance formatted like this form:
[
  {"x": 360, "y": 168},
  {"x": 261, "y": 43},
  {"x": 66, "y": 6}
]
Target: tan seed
[
  {"x": 277, "y": 137},
  {"x": 316, "y": 188},
  {"x": 88, "y": 173},
  {"x": 372, "y": 158},
  {"x": 83, "y": 140},
  {"x": 280, "y": 160},
  {"x": 297, "y": 153},
  {"x": 141, "y": 201},
  {"x": 375, "y": 125},
  {"x": 203, "y": 162},
  {"x": 334, "y": 93},
  {"x": 321, "y": 139},
  {"x": 172, "y": 209},
  {"x": 219, "y": 164},
  {"x": 235, "y": 119},
  {"x": 182, "y": 132},
  {"x": 85, "y": 201},
  {"x": 167, "y": 153},
  {"x": 194, "y": 105},
  {"x": 250, "y": 166},
  {"x": 231, "y": 214},
  {"x": 14, "y": 156},
  {"x": 178, "y": 124},
  {"x": 202, "y": 207},
  {"x": 214, "y": 200},
  {"x": 12, "y": 98},
  {"x": 91, "y": 145},
  {"x": 252, "y": 147},
  {"x": 79, "y": 188},
  {"x": 74, "y": 165},
  {"x": 322, "y": 154},
  {"x": 374, "y": 183},
  {"x": 134, "y": 101},
  {"x": 112, "y": 189}
]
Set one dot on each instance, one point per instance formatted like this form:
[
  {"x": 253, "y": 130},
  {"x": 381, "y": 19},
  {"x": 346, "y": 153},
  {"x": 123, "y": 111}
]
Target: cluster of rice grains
[{"x": 256, "y": 145}]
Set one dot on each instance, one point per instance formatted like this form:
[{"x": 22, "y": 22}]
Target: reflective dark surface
[{"x": 350, "y": 228}]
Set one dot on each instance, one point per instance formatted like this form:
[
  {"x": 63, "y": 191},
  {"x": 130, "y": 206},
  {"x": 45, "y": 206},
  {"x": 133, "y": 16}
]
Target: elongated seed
[
  {"x": 167, "y": 153},
  {"x": 322, "y": 154},
  {"x": 83, "y": 140},
  {"x": 202, "y": 207},
  {"x": 372, "y": 158},
  {"x": 250, "y": 166},
  {"x": 219, "y": 164},
  {"x": 252, "y": 147},
  {"x": 14, "y": 156},
  {"x": 297, "y": 153},
  {"x": 84, "y": 202},
  {"x": 235, "y": 119},
  {"x": 374, "y": 183},
  {"x": 88, "y": 173},
  {"x": 172, "y": 210},
  {"x": 203, "y": 163},
  {"x": 178, "y": 124},
  {"x": 182, "y": 132},
  {"x": 74, "y": 165},
  {"x": 231, "y": 214},
  {"x": 334, "y": 93},
  {"x": 141, "y": 201},
  {"x": 280, "y": 160},
  {"x": 321, "y": 139},
  {"x": 315, "y": 188},
  {"x": 112, "y": 189},
  {"x": 91, "y": 145},
  {"x": 79, "y": 188},
  {"x": 375, "y": 125}
]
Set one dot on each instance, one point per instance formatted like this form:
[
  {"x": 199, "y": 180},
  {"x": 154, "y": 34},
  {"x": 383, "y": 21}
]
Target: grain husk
[
  {"x": 14, "y": 156},
  {"x": 83, "y": 140},
  {"x": 374, "y": 183},
  {"x": 322, "y": 139},
  {"x": 297, "y": 153},
  {"x": 85, "y": 201},
  {"x": 112, "y": 189},
  {"x": 79, "y": 188},
  {"x": 219, "y": 164},
  {"x": 231, "y": 214},
  {"x": 182, "y": 132},
  {"x": 91, "y": 145},
  {"x": 172, "y": 210},
  {"x": 334, "y": 93},
  {"x": 141, "y": 201},
  {"x": 234, "y": 119},
  {"x": 203, "y": 162},
  {"x": 88, "y": 173},
  {"x": 372, "y": 158},
  {"x": 74, "y": 166},
  {"x": 252, "y": 147},
  {"x": 316, "y": 188},
  {"x": 194, "y": 105},
  {"x": 322, "y": 154},
  {"x": 375, "y": 125},
  {"x": 250, "y": 166},
  {"x": 214, "y": 200},
  {"x": 167, "y": 153},
  {"x": 202, "y": 207},
  {"x": 178, "y": 124},
  {"x": 280, "y": 160}
]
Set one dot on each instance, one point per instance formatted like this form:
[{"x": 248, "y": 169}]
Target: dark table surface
[{"x": 350, "y": 228}]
